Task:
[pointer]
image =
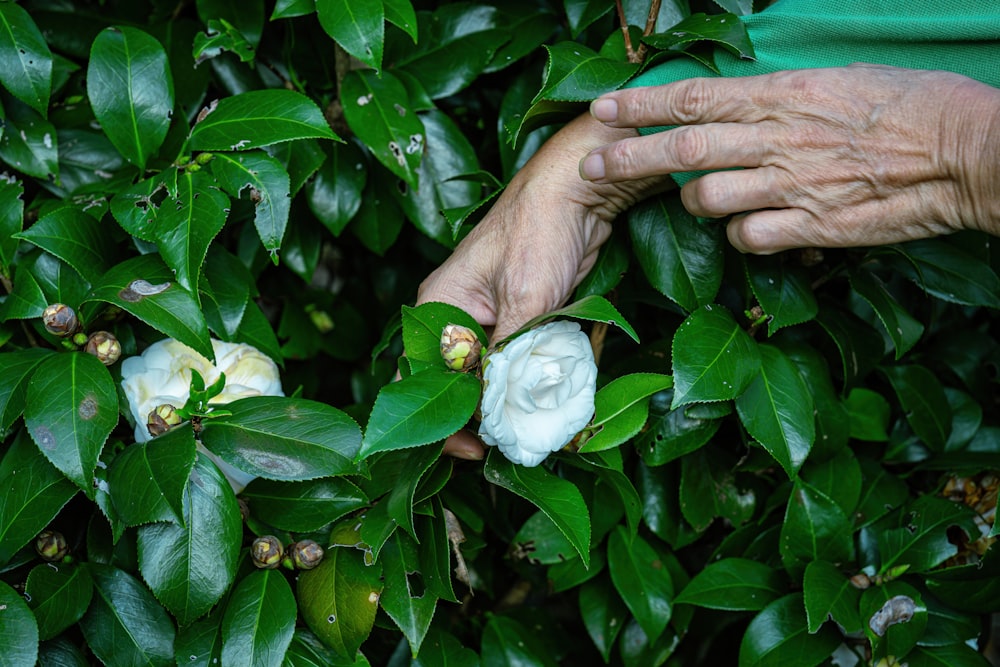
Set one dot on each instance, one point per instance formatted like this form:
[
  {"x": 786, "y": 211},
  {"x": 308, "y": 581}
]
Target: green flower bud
[
  {"x": 204, "y": 158},
  {"x": 60, "y": 320},
  {"x": 80, "y": 338},
  {"x": 460, "y": 348},
  {"x": 193, "y": 167},
  {"x": 266, "y": 552},
  {"x": 104, "y": 346},
  {"x": 161, "y": 419},
  {"x": 306, "y": 554},
  {"x": 51, "y": 546}
]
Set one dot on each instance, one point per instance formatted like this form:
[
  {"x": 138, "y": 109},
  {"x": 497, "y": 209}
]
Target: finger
[
  {"x": 723, "y": 193},
  {"x": 690, "y": 148},
  {"x": 771, "y": 231},
  {"x": 464, "y": 445}
]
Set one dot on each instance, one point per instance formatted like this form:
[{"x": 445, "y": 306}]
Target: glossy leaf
[
  {"x": 881, "y": 492},
  {"x": 783, "y": 292},
  {"x": 201, "y": 641},
  {"x": 399, "y": 504},
  {"x": 621, "y": 409},
  {"x": 146, "y": 288},
  {"x": 422, "y": 329},
  {"x": 290, "y": 439},
  {"x": 74, "y": 237},
  {"x": 264, "y": 181},
  {"x": 359, "y": 27},
  {"x": 400, "y": 13},
  {"x": 147, "y": 480},
  {"x": 921, "y": 541},
  {"x": 777, "y": 410},
  {"x": 830, "y": 594},
  {"x": 725, "y": 30},
  {"x": 642, "y": 580},
  {"x": 440, "y": 648},
  {"x": 860, "y": 346},
  {"x": 379, "y": 113},
  {"x": 247, "y": 16},
  {"x": 952, "y": 655},
  {"x": 903, "y": 328},
  {"x": 405, "y": 599},
  {"x": 947, "y": 272},
  {"x": 815, "y": 528},
  {"x": 735, "y": 584},
  {"x": 25, "y": 58},
  {"x": 581, "y": 13},
  {"x": 778, "y": 636},
  {"x": 138, "y": 207},
  {"x": 713, "y": 359},
  {"x": 28, "y": 141},
  {"x": 420, "y": 409},
  {"x": 71, "y": 407},
  {"x": 259, "y": 620},
  {"x": 58, "y": 596},
  {"x": 19, "y": 630},
  {"x": 894, "y": 617},
  {"x": 670, "y": 434},
  {"x": 592, "y": 308},
  {"x": 507, "y": 643},
  {"x": 923, "y": 400},
  {"x": 11, "y": 213},
  {"x": 681, "y": 257},
  {"x": 302, "y": 507},
  {"x": 869, "y": 414},
  {"x": 334, "y": 195},
  {"x": 604, "y": 614},
  {"x": 124, "y": 624},
  {"x": 131, "y": 91},
  {"x": 709, "y": 490},
  {"x": 16, "y": 369},
  {"x": 575, "y": 73},
  {"x": 259, "y": 118},
  {"x": 229, "y": 286},
  {"x": 559, "y": 499}
]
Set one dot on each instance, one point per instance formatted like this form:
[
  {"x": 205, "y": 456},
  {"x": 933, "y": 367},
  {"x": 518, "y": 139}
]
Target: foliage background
[{"x": 832, "y": 414}]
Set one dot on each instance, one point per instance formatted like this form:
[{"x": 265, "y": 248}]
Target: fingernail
[
  {"x": 604, "y": 110},
  {"x": 592, "y": 167}
]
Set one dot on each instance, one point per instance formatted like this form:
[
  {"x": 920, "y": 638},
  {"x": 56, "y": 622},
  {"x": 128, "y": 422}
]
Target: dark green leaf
[
  {"x": 815, "y": 528},
  {"x": 201, "y": 642},
  {"x": 265, "y": 182},
  {"x": 379, "y": 219},
  {"x": 952, "y": 655},
  {"x": 259, "y": 118},
  {"x": 138, "y": 208},
  {"x": 869, "y": 415},
  {"x": 778, "y": 636},
  {"x": 621, "y": 409},
  {"x": 420, "y": 409},
  {"x": 735, "y": 584},
  {"x": 422, "y": 329},
  {"x": 28, "y": 141},
  {"x": 881, "y": 492},
  {"x": 782, "y": 290},
  {"x": 247, "y": 16},
  {"x": 581, "y": 13},
  {"x": 147, "y": 480},
  {"x": 559, "y": 499},
  {"x": 575, "y": 73},
  {"x": 145, "y": 287},
  {"x": 713, "y": 359},
  {"x": 131, "y": 91},
  {"x": 593, "y": 308},
  {"x": 405, "y": 599},
  {"x": 19, "y": 630},
  {"x": 400, "y": 502},
  {"x": 16, "y": 369},
  {"x": 839, "y": 477},
  {"x": 903, "y": 328},
  {"x": 726, "y": 30},
  {"x": 359, "y": 27},
  {"x": 74, "y": 237},
  {"x": 302, "y": 507},
  {"x": 670, "y": 434},
  {"x": 921, "y": 541},
  {"x": 440, "y": 648},
  {"x": 860, "y": 346},
  {"x": 777, "y": 410},
  {"x": 508, "y": 643},
  {"x": 58, "y": 596},
  {"x": 400, "y": 13},
  {"x": 26, "y": 301},
  {"x": 528, "y": 31},
  {"x": 604, "y": 614},
  {"x": 894, "y": 616},
  {"x": 708, "y": 490},
  {"x": 681, "y": 257},
  {"x": 334, "y": 195},
  {"x": 642, "y": 580},
  {"x": 11, "y": 214},
  {"x": 290, "y": 439},
  {"x": 124, "y": 624},
  {"x": 25, "y": 58},
  {"x": 259, "y": 620},
  {"x": 379, "y": 113},
  {"x": 229, "y": 285},
  {"x": 540, "y": 542},
  {"x": 829, "y": 594},
  {"x": 301, "y": 159},
  {"x": 923, "y": 400},
  {"x": 221, "y": 36},
  {"x": 947, "y": 272},
  {"x": 71, "y": 407},
  {"x": 61, "y": 652}
]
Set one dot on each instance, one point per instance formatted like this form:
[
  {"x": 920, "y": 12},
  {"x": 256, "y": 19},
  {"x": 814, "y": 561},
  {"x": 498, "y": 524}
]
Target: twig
[
  {"x": 334, "y": 111},
  {"x": 629, "y": 51},
  {"x": 597, "y": 336},
  {"x": 654, "y": 12}
]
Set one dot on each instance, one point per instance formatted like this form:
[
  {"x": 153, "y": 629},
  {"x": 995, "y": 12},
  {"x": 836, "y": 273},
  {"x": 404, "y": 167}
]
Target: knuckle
[
  {"x": 689, "y": 101},
  {"x": 708, "y": 196},
  {"x": 691, "y": 146},
  {"x": 621, "y": 159}
]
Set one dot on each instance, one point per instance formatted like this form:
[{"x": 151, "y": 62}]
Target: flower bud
[
  {"x": 162, "y": 419},
  {"x": 265, "y": 552},
  {"x": 460, "y": 348},
  {"x": 51, "y": 546},
  {"x": 204, "y": 158},
  {"x": 80, "y": 338},
  {"x": 60, "y": 320},
  {"x": 306, "y": 554},
  {"x": 194, "y": 166},
  {"x": 104, "y": 346}
]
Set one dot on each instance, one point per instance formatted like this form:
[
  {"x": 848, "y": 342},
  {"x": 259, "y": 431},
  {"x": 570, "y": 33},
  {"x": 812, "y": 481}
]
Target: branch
[
  {"x": 629, "y": 51},
  {"x": 654, "y": 11}
]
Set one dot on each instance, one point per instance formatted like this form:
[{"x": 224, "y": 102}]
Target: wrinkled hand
[
  {"x": 537, "y": 242},
  {"x": 848, "y": 156}
]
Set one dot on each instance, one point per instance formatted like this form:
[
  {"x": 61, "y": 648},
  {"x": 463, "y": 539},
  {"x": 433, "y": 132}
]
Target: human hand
[{"x": 848, "y": 156}]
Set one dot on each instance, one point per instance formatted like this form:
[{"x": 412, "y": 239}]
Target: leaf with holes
[
  {"x": 264, "y": 181},
  {"x": 25, "y": 58}
]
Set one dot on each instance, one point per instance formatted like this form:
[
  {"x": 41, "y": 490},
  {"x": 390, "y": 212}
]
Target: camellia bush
[{"x": 213, "y": 449}]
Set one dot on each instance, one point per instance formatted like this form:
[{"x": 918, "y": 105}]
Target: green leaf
[
  {"x": 603, "y": 612},
  {"x": 592, "y": 308},
  {"x": 508, "y": 643},
  {"x": 259, "y": 118},
  {"x": 71, "y": 408},
  {"x": 815, "y": 528},
  {"x": 621, "y": 409},
  {"x": 952, "y": 655},
  {"x": 422, "y": 329},
  {"x": 777, "y": 410},
  {"x": 228, "y": 285},
  {"x": 248, "y": 17},
  {"x": 138, "y": 208},
  {"x": 147, "y": 480},
  {"x": 708, "y": 490},
  {"x": 860, "y": 345},
  {"x": 131, "y": 91},
  {"x": 359, "y": 27},
  {"x": 25, "y": 58},
  {"x": 713, "y": 359},
  {"x": 19, "y": 630},
  {"x": 28, "y": 142},
  {"x": 58, "y": 596},
  {"x": 440, "y": 648},
  {"x": 642, "y": 580},
  {"x": 921, "y": 540},
  {"x": 74, "y": 237},
  {"x": 27, "y": 301},
  {"x": 783, "y": 291},
  {"x": 903, "y": 328},
  {"x": 16, "y": 369},
  {"x": 61, "y": 651},
  {"x": 681, "y": 257},
  {"x": 829, "y": 594},
  {"x": 947, "y": 272},
  {"x": 259, "y": 621},
  {"x": 420, "y": 409},
  {"x": 201, "y": 641},
  {"x": 334, "y": 195},
  {"x": 338, "y": 599},
  {"x": 145, "y": 287},
  {"x": 559, "y": 499},
  {"x": 124, "y": 624},
  {"x": 839, "y": 477},
  {"x": 11, "y": 212},
  {"x": 881, "y": 492},
  {"x": 378, "y": 111},
  {"x": 575, "y": 73},
  {"x": 540, "y": 542},
  {"x": 895, "y": 618},
  {"x": 581, "y": 13},
  {"x": 924, "y": 402},
  {"x": 266, "y": 183},
  {"x": 869, "y": 415},
  {"x": 405, "y": 599},
  {"x": 33, "y": 492},
  {"x": 399, "y": 505},
  {"x": 726, "y": 30},
  {"x": 734, "y": 584},
  {"x": 290, "y": 439},
  {"x": 302, "y": 507},
  {"x": 670, "y": 434},
  {"x": 221, "y": 36},
  {"x": 188, "y": 223},
  {"x": 778, "y": 636}
]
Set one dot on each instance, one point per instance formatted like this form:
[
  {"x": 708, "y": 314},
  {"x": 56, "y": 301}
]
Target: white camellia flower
[
  {"x": 539, "y": 392},
  {"x": 162, "y": 375}
]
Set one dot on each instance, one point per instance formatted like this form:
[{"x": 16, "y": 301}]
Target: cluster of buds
[
  {"x": 162, "y": 419},
  {"x": 460, "y": 348},
  {"x": 51, "y": 546},
  {"x": 187, "y": 163},
  {"x": 60, "y": 320},
  {"x": 267, "y": 553}
]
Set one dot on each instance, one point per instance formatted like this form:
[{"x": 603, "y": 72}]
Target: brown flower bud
[
  {"x": 51, "y": 546},
  {"x": 162, "y": 419},
  {"x": 306, "y": 554},
  {"x": 265, "y": 552},
  {"x": 460, "y": 348},
  {"x": 60, "y": 320},
  {"x": 104, "y": 346}
]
